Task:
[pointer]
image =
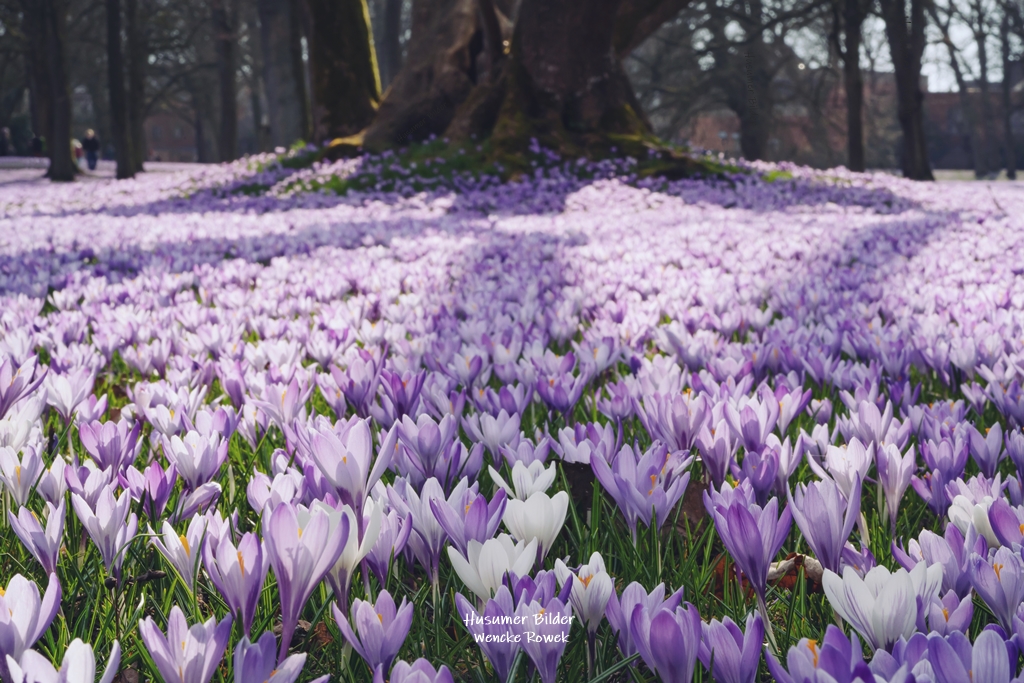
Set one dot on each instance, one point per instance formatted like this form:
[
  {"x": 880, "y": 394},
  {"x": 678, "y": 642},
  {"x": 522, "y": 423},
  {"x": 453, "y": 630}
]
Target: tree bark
[
  {"x": 638, "y": 19},
  {"x": 285, "y": 95},
  {"x": 34, "y": 27},
  {"x": 225, "y": 42},
  {"x": 906, "y": 46},
  {"x": 343, "y": 68},
  {"x": 62, "y": 166},
  {"x": 301, "y": 27},
  {"x": 852, "y": 19},
  {"x": 137, "y": 60},
  {"x": 1009, "y": 144},
  {"x": 438, "y": 75},
  {"x": 988, "y": 136},
  {"x": 562, "y": 81},
  {"x": 389, "y": 51},
  {"x": 118, "y": 106}
]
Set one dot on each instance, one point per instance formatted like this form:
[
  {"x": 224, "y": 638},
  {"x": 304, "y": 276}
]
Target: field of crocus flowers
[{"x": 395, "y": 420}]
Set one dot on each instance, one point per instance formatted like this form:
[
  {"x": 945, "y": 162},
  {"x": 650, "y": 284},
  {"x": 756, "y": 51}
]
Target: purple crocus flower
[
  {"x": 717, "y": 451},
  {"x": 186, "y": 654},
  {"x": 946, "y": 459},
  {"x": 493, "y": 431},
  {"x": 16, "y": 382},
  {"x": 753, "y": 420},
  {"x": 469, "y": 517},
  {"x": 753, "y": 535},
  {"x": 731, "y": 655},
  {"x": 951, "y": 551},
  {"x": 402, "y": 389},
  {"x": 620, "y": 610},
  {"x": 78, "y": 666},
  {"x": 394, "y": 534},
  {"x": 544, "y": 632},
  {"x": 258, "y": 662},
  {"x": 644, "y": 484},
  {"x": 238, "y": 572},
  {"x": 949, "y": 613},
  {"x": 381, "y": 628},
  {"x": 894, "y": 476},
  {"x": 1006, "y": 522},
  {"x": 428, "y": 536},
  {"x": 987, "y": 450},
  {"x": 492, "y": 629},
  {"x": 44, "y": 544},
  {"x": 196, "y": 458},
  {"x": 560, "y": 389},
  {"x": 760, "y": 469},
  {"x": 420, "y": 671},
  {"x": 346, "y": 461},
  {"x": 303, "y": 546},
  {"x": 825, "y": 518},
  {"x": 999, "y": 581},
  {"x": 19, "y": 632},
  {"x": 669, "y": 641},
  {"x": 837, "y": 658},
  {"x": 674, "y": 419},
  {"x": 953, "y": 659},
  {"x": 359, "y": 381},
  {"x": 111, "y": 444},
  {"x": 1015, "y": 449},
  {"x": 110, "y": 527}
]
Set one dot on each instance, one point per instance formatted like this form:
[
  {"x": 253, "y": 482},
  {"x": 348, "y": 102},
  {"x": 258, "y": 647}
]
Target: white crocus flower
[
  {"x": 526, "y": 479},
  {"x": 487, "y": 563},
  {"x": 882, "y": 607},
  {"x": 591, "y": 589},
  {"x": 540, "y": 516},
  {"x": 965, "y": 513}
]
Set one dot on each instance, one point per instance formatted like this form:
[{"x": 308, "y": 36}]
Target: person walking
[{"x": 91, "y": 146}]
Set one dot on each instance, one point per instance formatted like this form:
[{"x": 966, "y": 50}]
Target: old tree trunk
[{"x": 555, "y": 75}]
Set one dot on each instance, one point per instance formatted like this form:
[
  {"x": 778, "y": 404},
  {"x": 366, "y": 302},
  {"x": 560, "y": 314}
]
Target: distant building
[{"x": 168, "y": 138}]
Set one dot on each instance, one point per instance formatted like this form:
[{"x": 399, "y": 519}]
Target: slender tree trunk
[
  {"x": 966, "y": 105},
  {"x": 225, "y": 43},
  {"x": 301, "y": 26},
  {"x": 200, "y": 131},
  {"x": 853, "y": 84},
  {"x": 34, "y": 27},
  {"x": 285, "y": 94},
  {"x": 1009, "y": 144},
  {"x": 137, "y": 60},
  {"x": 987, "y": 116},
  {"x": 389, "y": 51},
  {"x": 343, "y": 66},
  {"x": 62, "y": 166},
  {"x": 906, "y": 46},
  {"x": 118, "y": 106}
]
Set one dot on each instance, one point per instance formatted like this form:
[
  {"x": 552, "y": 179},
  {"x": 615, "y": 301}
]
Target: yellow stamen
[
  {"x": 241, "y": 560},
  {"x": 381, "y": 617},
  {"x": 184, "y": 542},
  {"x": 998, "y": 568},
  {"x": 945, "y": 613},
  {"x": 17, "y": 472},
  {"x": 586, "y": 580},
  {"x": 812, "y": 645}
]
